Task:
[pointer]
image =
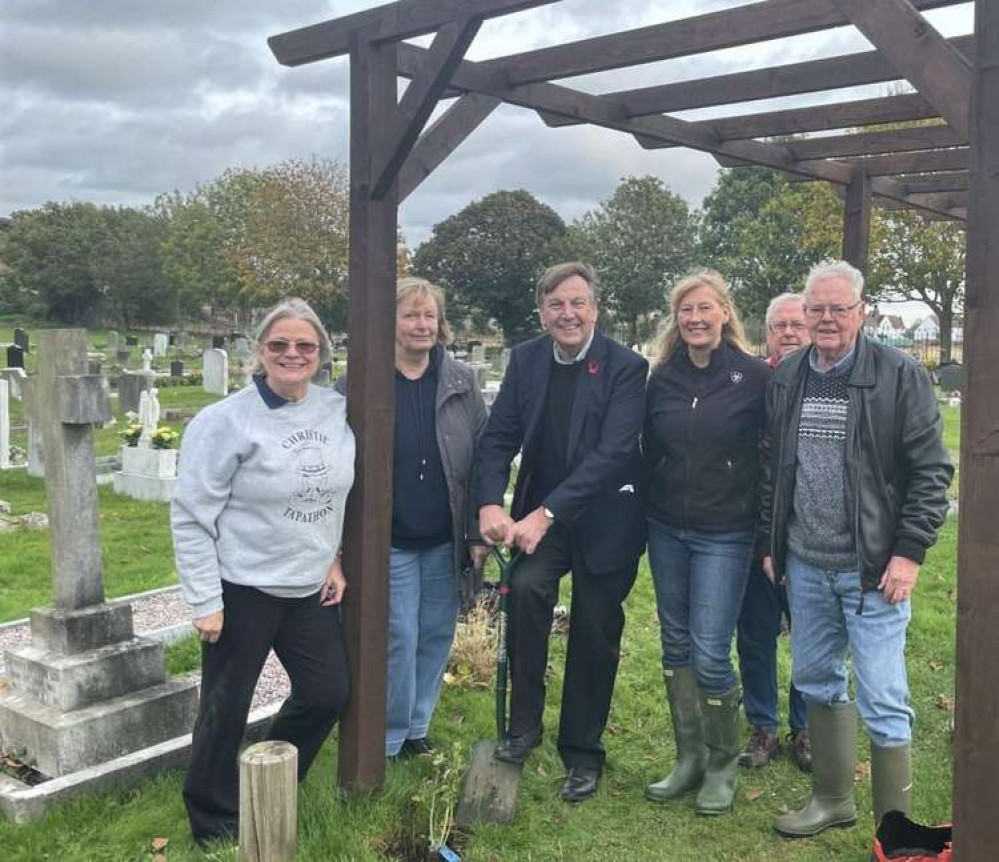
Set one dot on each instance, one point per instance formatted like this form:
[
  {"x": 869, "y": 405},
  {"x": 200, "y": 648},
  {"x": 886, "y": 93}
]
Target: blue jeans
[
  {"x": 700, "y": 578},
  {"x": 826, "y": 624},
  {"x": 756, "y": 641},
  {"x": 423, "y": 613}
]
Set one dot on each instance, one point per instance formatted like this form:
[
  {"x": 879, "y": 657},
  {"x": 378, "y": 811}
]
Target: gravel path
[{"x": 163, "y": 614}]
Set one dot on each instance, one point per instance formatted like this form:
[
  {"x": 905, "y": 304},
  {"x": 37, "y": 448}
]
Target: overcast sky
[{"x": 117, "y": 101}]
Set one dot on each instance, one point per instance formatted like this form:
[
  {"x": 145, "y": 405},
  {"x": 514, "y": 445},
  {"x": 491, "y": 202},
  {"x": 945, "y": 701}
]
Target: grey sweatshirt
[{"x": 260, "y": 495}]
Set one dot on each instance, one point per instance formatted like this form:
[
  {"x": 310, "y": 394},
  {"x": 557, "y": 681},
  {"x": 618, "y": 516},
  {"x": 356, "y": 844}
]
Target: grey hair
[
  {"x": 836, "y": 269},
  {"x": 778, "y": 301},
  {"x": 555, "y": 275},
  {"x": 296, "y": 308}
]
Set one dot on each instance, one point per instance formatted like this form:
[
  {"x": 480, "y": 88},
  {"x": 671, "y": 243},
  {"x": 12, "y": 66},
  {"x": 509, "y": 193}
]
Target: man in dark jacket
[
  {"x": 573, "y": 401},
  {"x": 854, "y": 493}
]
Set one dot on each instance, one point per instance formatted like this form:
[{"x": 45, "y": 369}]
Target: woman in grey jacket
[
  {"x": 439, "y": 415},
  {"x": 257, "y": 516}
]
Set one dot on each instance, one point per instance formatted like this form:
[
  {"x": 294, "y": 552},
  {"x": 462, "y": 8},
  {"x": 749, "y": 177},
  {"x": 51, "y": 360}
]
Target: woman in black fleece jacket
[{"x": 703, "y": 421}]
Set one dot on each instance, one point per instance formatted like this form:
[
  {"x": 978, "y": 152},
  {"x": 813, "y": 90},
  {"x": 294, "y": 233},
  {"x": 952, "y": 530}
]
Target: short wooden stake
[{"x": 268, "y": 802}]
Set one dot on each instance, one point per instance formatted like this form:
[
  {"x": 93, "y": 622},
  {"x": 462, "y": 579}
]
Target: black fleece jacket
[{"x": 702, "y": 440}]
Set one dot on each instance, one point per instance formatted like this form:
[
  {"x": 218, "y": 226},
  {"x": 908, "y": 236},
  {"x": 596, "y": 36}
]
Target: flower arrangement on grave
[
  {"x": 164, "y": 437},
  {"x": 130, "y": 436}
]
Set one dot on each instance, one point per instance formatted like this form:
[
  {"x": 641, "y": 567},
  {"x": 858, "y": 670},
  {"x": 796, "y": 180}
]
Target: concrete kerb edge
[{"x": 22, "y": 803}]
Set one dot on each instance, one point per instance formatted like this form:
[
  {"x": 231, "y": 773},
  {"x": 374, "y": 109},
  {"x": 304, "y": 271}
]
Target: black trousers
[
  {"x": 595, "y": 624},
  {"x": 309, "y": 643}
]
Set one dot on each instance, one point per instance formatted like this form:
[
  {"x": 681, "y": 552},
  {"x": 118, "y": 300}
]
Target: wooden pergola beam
[
  {"x": 754, "y": 22},
  {"x": 943, "y": 202},
  {"x": 953, "y": 181},
  {"x": 848, "y": 70},
  {"x": 857, "y": 221},
  {"x": 443, "y": 138},
  {"x": 401, "y": 20},
  {"x": 914, "y": 47},
  {"x": 874, "y": 143},
  {"x": 421, "y": 97},
  {"x": 926, "y": 162},
  {"x": 819, "y": 118}
]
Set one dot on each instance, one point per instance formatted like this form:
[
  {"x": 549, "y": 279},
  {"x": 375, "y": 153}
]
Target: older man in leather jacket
[{"x": 853, "y": 495}]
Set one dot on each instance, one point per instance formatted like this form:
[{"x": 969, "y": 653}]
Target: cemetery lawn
[{"x": 617, "y": 824}]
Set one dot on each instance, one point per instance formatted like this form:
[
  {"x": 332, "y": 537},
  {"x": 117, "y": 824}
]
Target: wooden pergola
[{"x": 948, "y": 169}]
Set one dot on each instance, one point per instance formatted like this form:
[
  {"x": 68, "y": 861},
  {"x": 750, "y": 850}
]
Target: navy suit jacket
[{"x": 601, "y": 499}]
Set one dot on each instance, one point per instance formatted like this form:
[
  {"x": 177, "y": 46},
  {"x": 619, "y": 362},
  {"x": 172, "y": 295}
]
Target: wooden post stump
[{"x": 268, "y": 802}]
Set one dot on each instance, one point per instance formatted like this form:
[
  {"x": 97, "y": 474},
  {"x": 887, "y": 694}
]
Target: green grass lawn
[{"x": 617, "y": 824}]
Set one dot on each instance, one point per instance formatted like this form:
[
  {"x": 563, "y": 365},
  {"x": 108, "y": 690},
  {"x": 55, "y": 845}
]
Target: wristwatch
[{"x": 549, "y": 514}]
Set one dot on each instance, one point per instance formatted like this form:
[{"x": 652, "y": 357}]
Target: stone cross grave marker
[{"x": 84, "y": 690}]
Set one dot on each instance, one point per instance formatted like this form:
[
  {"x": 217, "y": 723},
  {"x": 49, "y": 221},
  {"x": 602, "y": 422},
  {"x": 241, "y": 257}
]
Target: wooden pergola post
[
  {"x": 976, "y": 747},
  {"x": 370, "y": 412},
  {"x": 857, "y": 220}
]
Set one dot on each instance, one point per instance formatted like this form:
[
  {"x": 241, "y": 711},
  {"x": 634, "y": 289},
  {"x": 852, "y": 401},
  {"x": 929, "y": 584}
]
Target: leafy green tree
[
  {"x": 488, "y": 256},
  {"x": 764, "y": 233},
  {"x": 913, "y": 258},
  {"x": 640, "y": 240}
]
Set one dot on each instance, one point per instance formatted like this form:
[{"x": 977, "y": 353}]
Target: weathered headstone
[
  {"x": 215, "y": 371},
  {"x": 131, "y": 341},
  {"x": 172, "y": 340},
  {"x": 36, "y": 466},
  {"x": 85, "y": 690},
  {"x": 112, "y": 340},
  {"x": 242, "y": 349},
  {"x": 4, "y": 425},
  {"x": 21, "y": 339},
  {"x": 951, "y": 377},
  {"x": 176, "y": 368},
  {"x": 161, "y": 344},
  {"x": 218, "y": 342},
  {"x": 15, "y": 356},
  {"x": 14, "y": 377},
  {"x": 131, "y": 385},
  {"x": 123, "y": 356}
]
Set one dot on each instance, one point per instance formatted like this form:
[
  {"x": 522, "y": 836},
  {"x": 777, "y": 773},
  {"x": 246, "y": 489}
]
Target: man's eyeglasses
[
  {"x": 278, "y": 346},
  {"x": 841, "y": 312},
  {"x": 788, "y": 326}
]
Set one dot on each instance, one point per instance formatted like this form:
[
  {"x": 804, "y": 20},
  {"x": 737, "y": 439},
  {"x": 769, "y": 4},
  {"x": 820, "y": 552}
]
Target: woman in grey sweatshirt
[{"x": 257, "y": 519}]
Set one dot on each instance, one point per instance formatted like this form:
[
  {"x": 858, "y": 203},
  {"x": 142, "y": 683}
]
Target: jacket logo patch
[{"x": 736, "y": 377}]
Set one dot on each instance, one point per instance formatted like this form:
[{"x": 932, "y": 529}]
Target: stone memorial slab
[
  {"x": 176, "y": 368},
  {"x": 15, "y": 377},
  {"x": 218, "y": 342},
  {"x": 131, "y": 385},
  {"x": 21, "y": 339},
  {"x": 161, "y": 344},
  {"x": 123, "y": 356},
  {"x": 215, "y": 371},
  {"x": 951, "y": 377},
  {"x": 112, "y": 344},
  {"x": 131, "y": 341},
  {"x": 4, "y": 425},
  {"x": 15, "y": 356}
]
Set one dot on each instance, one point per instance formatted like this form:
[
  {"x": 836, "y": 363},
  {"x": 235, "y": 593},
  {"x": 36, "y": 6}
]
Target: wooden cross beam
[
  {"x": 952, "y": 181},
  {"x": 914, "y": 47},
  {"x": 873, "y": 143},
  {"x": 955, "y": 159}
]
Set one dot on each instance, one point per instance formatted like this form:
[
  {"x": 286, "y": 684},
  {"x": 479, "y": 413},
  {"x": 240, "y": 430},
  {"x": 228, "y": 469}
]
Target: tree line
[{"x": 252, "y": 235}]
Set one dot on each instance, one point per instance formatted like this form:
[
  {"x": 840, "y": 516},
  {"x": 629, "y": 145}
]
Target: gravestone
[
  {"x": 15, "y": 356},
  {"x": 171, "y": 340},
  {"x": 15, "y": 377},
  {"x": 4, "y": 425},
  {"x": 951, "y": 377},
  {"x": 218, "y": 342},
  {"x": 147, "y": 360},
  {"x": 123, "y": 356},
  {"x": 131, "y": 385},
  {"x": 242, "y": 348},
  {"x": 176, "y": 368},
  {"x": 35, "y": 444},
  {"x": 84, "y": 690},
  {"x": 215, "y": 371},
  {"x": 131, "y": 341},
  {"x": 160, "y": 344},
  {"x": 112, "y": 344},
  {"x": 21, "y": 339},
  {"x": 147, "y": 473}
]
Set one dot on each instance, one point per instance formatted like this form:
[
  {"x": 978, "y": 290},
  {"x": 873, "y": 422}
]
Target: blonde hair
[
  {"x": 732, "y": 331},
  {"x": 412, "y": 285},
  {"x": 298, "y": 309}
]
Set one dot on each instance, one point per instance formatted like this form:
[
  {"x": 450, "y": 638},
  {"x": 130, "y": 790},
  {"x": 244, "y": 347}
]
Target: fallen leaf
[
  {"x": 935, "y": 665},
  {"x": 159, "y": 844},
  {"x": 945, "y": 702},
  {"x": 753, "y": 793}
]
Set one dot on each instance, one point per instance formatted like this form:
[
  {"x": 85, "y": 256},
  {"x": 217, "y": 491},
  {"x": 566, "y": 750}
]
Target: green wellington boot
[
  {"x": 691, "y": 755},
  {"x": 721, "y": 736},
  {"x": 891, "y": 779},
  {"x": 833, "y": 730}
]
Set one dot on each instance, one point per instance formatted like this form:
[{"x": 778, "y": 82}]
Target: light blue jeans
[
  {"x": 824, "y": 607},
  {"x": 423, "y": 613},
  {"x": 700, "y": 579}
]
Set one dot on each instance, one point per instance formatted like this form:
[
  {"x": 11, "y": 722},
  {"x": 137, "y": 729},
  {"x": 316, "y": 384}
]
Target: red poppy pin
[{"x": 592, "y": 368}]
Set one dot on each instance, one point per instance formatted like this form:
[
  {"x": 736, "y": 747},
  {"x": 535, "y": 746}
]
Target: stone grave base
[
  {"x": 146, "y": 474},
  {"x": 22, "y": 803}
]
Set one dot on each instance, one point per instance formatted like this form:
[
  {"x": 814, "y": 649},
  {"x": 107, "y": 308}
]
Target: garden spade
[{"x": 489, "y": 791}]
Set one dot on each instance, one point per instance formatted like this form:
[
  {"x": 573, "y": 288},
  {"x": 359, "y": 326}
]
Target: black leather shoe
[
  {"x": 580, "y": 783},
  {"x": 417, "y": 747},
  {"x": 515, "y": 749}
]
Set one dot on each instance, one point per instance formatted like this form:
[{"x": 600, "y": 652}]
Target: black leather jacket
[{"x": 897, "y": 468}]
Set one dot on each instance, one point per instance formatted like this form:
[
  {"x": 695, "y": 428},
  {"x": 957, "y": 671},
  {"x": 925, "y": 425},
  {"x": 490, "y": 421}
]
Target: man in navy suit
[{"x": 572, "y": 400}]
